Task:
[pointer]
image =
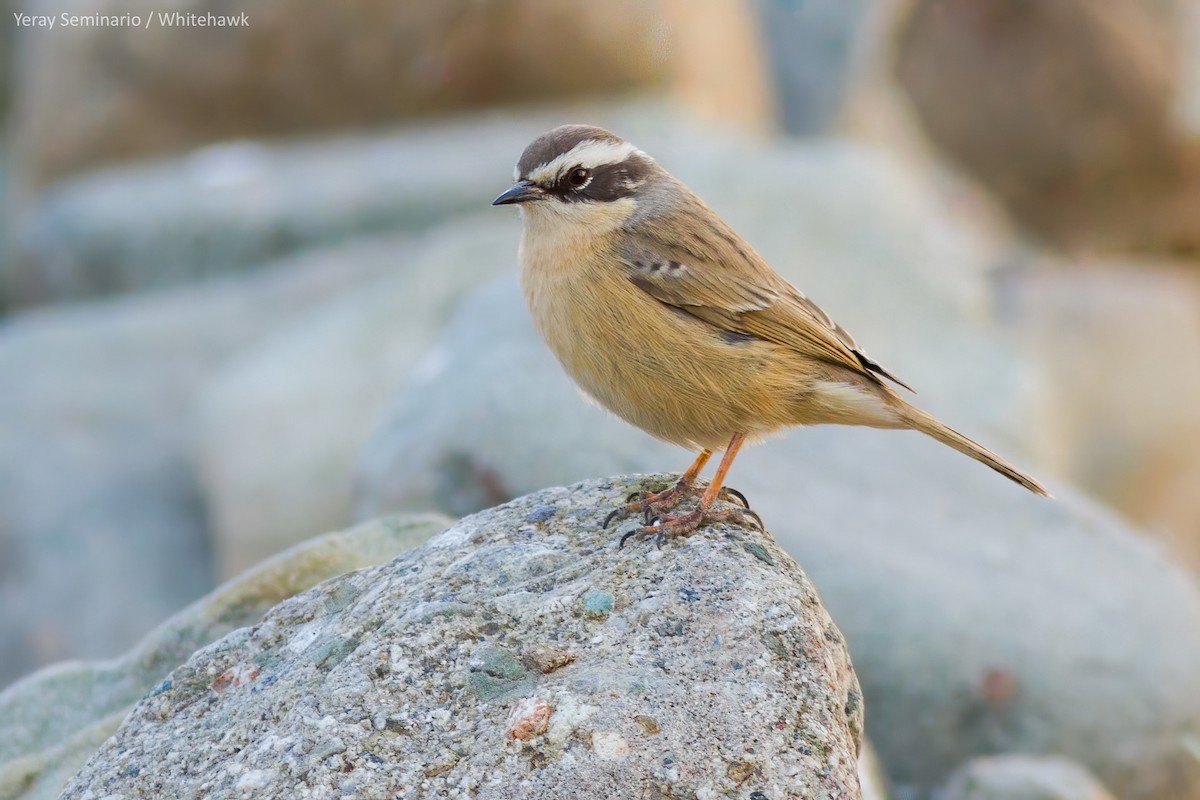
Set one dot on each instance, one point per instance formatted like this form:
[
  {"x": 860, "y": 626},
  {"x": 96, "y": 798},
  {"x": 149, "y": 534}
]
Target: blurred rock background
[{"x": 252, "y": 291}]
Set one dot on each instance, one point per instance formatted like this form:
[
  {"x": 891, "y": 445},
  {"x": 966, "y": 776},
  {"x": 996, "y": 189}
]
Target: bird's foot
[
  {"x": 652, "y": 504},
  {"x": 670, "y": 527}
]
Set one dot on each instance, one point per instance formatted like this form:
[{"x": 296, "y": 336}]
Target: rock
[
  {"x": 234, "y": 207},
  {"x": 467, "y": 666},
  {"x": 102, "y": 533},
  {"x": 1086, "y": 145},
  {"x": 1119, "y": 346},
  {"x": 281, "y": 427},
  {"x": 51, "y": 722},
  {"x": 1023, "y": 778},
  {"x": 87, "y": 95}
]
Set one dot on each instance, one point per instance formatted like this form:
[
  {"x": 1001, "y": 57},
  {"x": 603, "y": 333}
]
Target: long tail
[{"x": 919, "y": 420}]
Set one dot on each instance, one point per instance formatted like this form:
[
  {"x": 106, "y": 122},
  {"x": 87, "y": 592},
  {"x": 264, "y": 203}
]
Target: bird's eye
[{"x": 578, "y": 177}]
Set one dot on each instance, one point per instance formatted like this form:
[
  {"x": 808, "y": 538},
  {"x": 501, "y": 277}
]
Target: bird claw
[
  {"x": 627, "y": 536},
  {"x": 670, "y": 527},
  {"x": 749, "y": 512},
  {"x": 728, "y": 492},
  {"x": 651, "y": 502}
]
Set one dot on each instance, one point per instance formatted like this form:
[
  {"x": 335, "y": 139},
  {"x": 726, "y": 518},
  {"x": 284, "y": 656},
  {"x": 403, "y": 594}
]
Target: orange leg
[
  {"x": 718, "y": 481},
  {"x": 693, "y": 472},
  {"x": 685, "y": 524}
]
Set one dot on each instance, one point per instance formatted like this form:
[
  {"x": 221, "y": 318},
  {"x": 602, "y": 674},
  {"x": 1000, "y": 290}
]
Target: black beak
[{"x": 523, "y": 192}]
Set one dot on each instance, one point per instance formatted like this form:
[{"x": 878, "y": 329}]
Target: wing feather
[{"x": 719, "y": 279}]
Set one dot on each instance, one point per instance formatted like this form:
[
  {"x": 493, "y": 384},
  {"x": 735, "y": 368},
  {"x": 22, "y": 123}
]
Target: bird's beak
[{"x": 522, "y": 192}]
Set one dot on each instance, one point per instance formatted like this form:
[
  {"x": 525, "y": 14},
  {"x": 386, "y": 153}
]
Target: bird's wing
[{"x": 719, "y": 279}]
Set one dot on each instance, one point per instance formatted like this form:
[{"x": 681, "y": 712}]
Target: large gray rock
[
  {"x": 281, "y": 427},
  {"x": 982, "y": 618},
  {"x": 233, "y": 207},
  {"x": 519, "y": 653},
  {"x": 51, "y": 722},
  {"x": 102, "y": 533}
]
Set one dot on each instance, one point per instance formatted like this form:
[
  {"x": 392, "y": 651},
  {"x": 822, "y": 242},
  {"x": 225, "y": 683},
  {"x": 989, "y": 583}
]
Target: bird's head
[{"x": 579, "y": 175}]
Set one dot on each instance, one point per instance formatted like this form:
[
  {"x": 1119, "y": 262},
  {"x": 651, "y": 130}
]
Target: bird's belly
[{"x": 659, "y": 368}]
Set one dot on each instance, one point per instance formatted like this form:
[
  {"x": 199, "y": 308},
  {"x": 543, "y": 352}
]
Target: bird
[{"x": 663, "y": 314}]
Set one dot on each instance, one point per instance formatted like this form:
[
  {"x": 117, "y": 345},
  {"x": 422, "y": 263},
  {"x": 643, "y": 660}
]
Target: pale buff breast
[{"x": 658, "y": 368}]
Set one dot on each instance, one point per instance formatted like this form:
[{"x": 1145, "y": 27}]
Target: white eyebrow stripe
[{"x": 589, "y": 153}]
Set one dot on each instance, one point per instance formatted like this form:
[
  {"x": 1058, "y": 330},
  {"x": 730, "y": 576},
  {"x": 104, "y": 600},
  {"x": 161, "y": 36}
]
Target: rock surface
[
  {"x": 981, "y": 618},
  {"x": 98, "y": 496},
  {"x": 518, "y": 651},
  {"x": 1023, "y": 778},
  {"x": 51, "y": 722},
  {"x": 281, "y": 427}
]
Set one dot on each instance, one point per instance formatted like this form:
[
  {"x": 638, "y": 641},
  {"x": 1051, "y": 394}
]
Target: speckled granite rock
[
  {"x": 1023, "y": 778},
  {"x": 518, "y": 654},
  {"x": 52, "y": 721}
]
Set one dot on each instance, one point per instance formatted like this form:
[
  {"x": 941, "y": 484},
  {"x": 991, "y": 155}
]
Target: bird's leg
[
  {"x": 646, "y": 503},
  {"x": 685, "y": 524}
]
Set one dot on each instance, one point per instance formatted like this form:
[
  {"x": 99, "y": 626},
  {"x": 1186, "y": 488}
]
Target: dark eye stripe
[{"x": 608, "y": 182}]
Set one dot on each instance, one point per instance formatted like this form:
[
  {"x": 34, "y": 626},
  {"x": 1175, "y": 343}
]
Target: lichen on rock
[{"x": 518, "y": 654}]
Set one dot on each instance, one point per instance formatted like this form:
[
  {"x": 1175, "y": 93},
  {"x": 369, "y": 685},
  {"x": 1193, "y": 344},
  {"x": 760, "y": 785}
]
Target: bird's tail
[{"x": 920, "y": 421}]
